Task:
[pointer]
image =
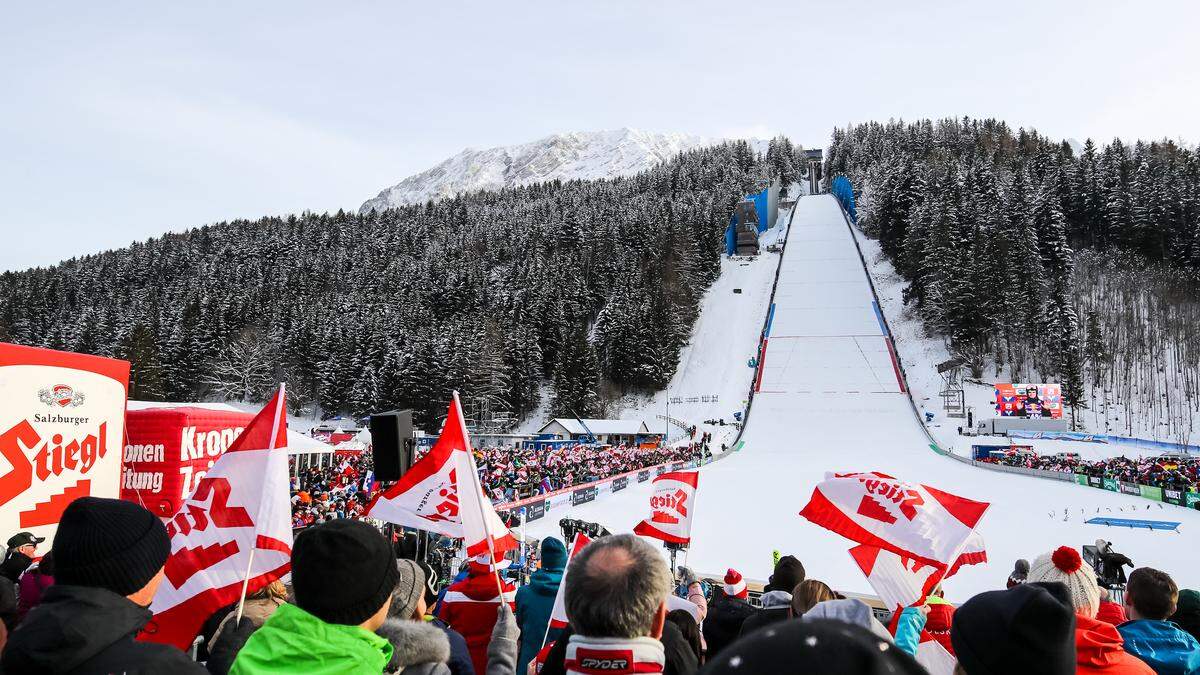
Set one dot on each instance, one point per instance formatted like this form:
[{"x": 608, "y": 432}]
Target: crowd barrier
[{"x": 1141, "y": 443}]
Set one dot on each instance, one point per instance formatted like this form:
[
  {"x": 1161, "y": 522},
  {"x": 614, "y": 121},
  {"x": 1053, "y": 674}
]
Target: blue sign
[{"x": 1140, "y": 524}]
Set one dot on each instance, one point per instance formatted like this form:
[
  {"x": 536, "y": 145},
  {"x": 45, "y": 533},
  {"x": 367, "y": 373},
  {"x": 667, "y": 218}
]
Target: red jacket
[
  {"x": 1111, "y": 612},
  {"x": 470, "y": 608},
  {"x": 1098, "y": 649}
]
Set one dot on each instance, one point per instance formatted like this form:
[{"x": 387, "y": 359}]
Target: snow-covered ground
[
  {"x": 831, "y": 407},
  {"x": 713, "y": 377}
]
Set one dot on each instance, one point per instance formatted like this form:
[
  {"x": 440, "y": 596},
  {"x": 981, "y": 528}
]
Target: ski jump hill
[{"x": 831, "y": 399}]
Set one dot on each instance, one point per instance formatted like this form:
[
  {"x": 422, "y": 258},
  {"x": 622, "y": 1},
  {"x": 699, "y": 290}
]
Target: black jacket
[
  {"x": 460, "y": 657},
  {"x": 11, "y": 569},
  {"x": 680, "y": 659},
  {"x": 723, "y": 624},
  {"x": 81, "y": 630},
  {"x": 764, "y": 617}
]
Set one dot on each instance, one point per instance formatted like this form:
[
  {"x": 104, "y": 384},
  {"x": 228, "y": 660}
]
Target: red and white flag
[
  {"x": 672, "y": 506},
  {"x": 912, "y": 536},
  {"x": 441, "y": 493},
  {"x": 236, "y": 524},
  {"x": 558, "y": 615}
]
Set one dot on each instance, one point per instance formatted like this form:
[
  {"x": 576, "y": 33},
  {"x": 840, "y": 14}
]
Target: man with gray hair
[{"x": 616, "y": 593}]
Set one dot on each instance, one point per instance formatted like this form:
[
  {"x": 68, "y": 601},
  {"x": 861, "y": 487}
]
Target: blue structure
[
  {"x": 1168, "y": 525},
  {"x": 844, "y": 192},
  {"x": 761, "y": 208}
]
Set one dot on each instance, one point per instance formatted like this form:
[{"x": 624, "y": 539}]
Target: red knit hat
[{"x": 735, "y": 585}]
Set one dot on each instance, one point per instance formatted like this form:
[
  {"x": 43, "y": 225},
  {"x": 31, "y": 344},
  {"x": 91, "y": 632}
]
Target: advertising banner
[
  {"x": 660, "y": 470},
  {"x": 1192, "y": 500},
  {"x": 643, "y": 476},
  {"x": 1111, "y": 485},
  {"x": 1131, "y": 489},
  {"x": 619, "y": 484},
  {"x": 1096, "y": 482},
  {"x": 168, "y": 451},
  {"x": 1028, "y": 400},
  {"x": 1082, "y": 479},
  {"x": 1173, "y": 496},
  {"x": 535, "y": 510},
  {"x": 583, "y": 495},
  {"x": 62, "y": 421},
  {"x": 1151, "y": 492}
]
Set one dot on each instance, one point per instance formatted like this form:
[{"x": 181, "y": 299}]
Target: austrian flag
[
  {"x": 235, "y": 526},
  {"x": 672, "y": 506},
  {"x": 911, "y": 536}
]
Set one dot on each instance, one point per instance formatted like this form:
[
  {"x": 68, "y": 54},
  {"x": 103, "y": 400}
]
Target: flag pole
[
  {"x": 475, "y": 482},
  {"x": 282, "y": 396}
]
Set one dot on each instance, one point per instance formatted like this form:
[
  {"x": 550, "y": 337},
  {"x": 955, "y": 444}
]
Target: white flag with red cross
[
  {"x": 912, "y": 536},
  {"x": 440, "y": 488},
  {"x": 236, "y": 524},
  {"x": 558, "y": 614},
  {"x": 672, "y": 506}
]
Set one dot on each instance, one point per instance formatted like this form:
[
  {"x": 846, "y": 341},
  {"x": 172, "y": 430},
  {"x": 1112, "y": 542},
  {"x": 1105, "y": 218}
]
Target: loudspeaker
[{"x": 392, "y": 444}]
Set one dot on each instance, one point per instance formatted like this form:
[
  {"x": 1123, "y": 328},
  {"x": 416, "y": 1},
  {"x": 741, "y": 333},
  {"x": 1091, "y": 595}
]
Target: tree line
[
  {"x": 592, "y": 286},
  {"x": 987, "y": 223}
]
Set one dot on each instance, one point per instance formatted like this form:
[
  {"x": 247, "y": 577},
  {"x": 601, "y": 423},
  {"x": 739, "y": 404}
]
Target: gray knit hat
[{"x": 410, "y": 588}]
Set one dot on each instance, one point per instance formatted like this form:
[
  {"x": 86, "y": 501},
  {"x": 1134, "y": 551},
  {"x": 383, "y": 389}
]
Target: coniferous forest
[
  {"x": 1043, "y": 261},
  {"x": 592, "y": 286}
]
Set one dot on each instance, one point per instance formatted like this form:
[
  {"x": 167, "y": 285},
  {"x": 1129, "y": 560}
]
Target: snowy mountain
[{"x": 585, "y": 155}]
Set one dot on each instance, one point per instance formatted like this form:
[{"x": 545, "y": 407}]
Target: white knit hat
[{"x": 1065, "y": 566}]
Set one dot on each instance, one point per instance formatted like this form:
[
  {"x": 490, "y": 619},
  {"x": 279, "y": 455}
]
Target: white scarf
[{"x": 614, "y": 656}]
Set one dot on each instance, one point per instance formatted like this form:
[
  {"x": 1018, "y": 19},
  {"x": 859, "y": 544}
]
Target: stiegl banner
[{"x": 62, "y": 427}]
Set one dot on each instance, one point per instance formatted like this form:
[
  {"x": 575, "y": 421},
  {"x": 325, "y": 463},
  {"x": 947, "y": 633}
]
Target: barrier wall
[{"x": 1141, "y": 443}]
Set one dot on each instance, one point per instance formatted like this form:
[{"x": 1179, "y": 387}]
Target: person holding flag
[
  {"x": 109, "y": 557},
  {"x": 471, "y": 605}
]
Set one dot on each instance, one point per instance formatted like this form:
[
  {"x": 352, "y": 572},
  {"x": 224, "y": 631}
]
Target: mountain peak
[{"x": 585, "y": 155}]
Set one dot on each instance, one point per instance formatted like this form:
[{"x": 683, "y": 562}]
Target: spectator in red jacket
[{"x": 470, "y": 606}]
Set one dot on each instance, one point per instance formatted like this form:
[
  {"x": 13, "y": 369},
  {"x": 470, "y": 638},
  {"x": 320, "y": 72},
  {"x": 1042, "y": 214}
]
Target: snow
[
  {"x": 587, "y": 155},
  {"x": 714, "y": 363},
  {"x": 748, "y": 503}
]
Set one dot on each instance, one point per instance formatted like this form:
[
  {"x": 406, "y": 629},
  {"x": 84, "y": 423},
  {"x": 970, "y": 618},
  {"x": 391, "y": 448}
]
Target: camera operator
[{"x": 1111, "y": 565}]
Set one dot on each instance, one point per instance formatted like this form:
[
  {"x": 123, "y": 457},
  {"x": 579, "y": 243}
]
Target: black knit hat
[
  {"x": 1025, "y": 629},
  {"x": 109, "y": 543},
  {"x": 789, "y": 572},
  {"x": 818, "y": 646},
  {"x": 342, "y": 571}
]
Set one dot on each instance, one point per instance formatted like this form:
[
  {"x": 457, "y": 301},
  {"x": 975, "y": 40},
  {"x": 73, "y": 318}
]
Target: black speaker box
[{"x": 392, "y": 444}]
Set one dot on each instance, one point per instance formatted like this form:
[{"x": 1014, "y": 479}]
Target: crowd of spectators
[
  {"x": 509, "y": 473},
  {"x": 1171, "y": 472},
  {"x": 342, "y": 487},
  {"x": 353, "y": 606}
]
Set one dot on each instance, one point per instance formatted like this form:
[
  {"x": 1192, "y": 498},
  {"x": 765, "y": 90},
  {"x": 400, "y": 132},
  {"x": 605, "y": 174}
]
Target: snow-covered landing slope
[{"x": 831, "y": 407}]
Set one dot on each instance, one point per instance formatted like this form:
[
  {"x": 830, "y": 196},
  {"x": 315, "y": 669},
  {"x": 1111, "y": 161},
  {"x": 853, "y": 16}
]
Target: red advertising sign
[
  {"x": 62, "y": 419},
  {"x": 169, "y": 450}
]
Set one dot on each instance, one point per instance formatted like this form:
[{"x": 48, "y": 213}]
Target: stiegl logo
[{"x": 61, "y": 395}]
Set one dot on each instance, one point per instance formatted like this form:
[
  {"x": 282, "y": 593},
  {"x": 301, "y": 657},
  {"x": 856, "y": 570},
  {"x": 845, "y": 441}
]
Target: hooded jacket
[
  {"x": 776, "y": 606},
  {"x": 294, "y": 641},
  {"x": 418, "y": 648},
  {"x": 535, "y": 601},
  {"x": 79, "y": 630},
  {"x": 1162, "y": 645},
  {"x": 469, "y": 606},
  {"x": 1098, "y": 650}
]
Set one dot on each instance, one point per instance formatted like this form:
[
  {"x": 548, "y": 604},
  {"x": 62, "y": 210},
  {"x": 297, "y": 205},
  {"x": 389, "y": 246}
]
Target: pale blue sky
[{"x": 122, "y": 120}]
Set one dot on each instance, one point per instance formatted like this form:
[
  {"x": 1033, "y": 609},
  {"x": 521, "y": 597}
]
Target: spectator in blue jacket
[
  {"x": 535, "y": 600},
  {"x": 1150, "y": 597}
]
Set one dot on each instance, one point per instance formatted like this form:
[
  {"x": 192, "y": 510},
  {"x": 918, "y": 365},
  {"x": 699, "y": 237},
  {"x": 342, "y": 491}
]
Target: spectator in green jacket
[{"x": 343, "y": 575}]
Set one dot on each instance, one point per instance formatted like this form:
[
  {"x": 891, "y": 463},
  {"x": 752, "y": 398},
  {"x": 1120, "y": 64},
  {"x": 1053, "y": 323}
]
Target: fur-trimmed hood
[{"x": 417, "y": 647}]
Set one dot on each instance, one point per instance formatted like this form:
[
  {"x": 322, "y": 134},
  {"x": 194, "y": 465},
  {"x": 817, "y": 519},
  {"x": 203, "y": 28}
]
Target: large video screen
[{"x": 1029, "y": 400}]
